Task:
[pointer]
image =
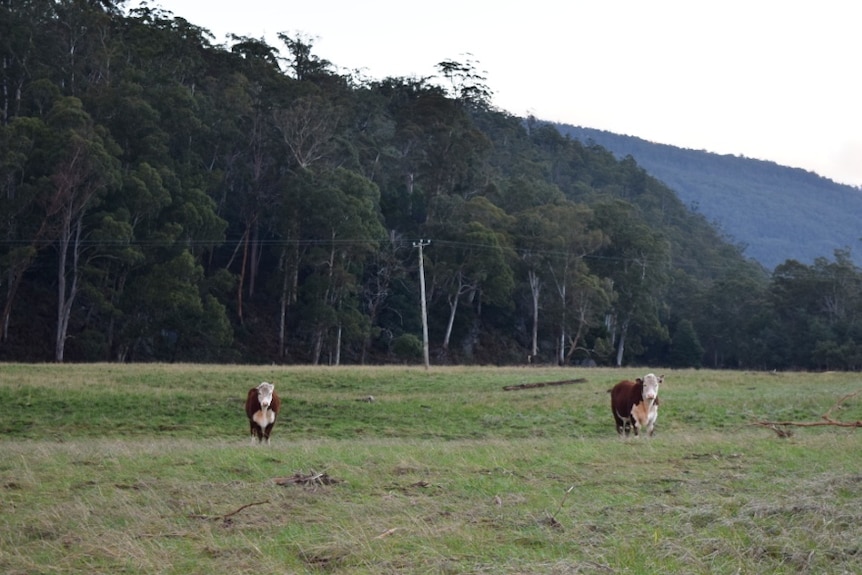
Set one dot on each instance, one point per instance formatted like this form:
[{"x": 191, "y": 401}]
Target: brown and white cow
[
  {"x": 261, "y": 406},
  {"x": 635, "y": 404}
]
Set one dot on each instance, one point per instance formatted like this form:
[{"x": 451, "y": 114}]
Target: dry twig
[
  {"x": 231, "y": 514},
  {"x": 552, "y": 519}
]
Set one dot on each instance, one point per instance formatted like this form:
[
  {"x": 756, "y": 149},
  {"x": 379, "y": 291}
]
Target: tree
[
  {"x": 84, "y": 170},
  {"x": 471, "y": 257},
  {"x": 467, "y": 84},
  {"x": 341, "y": 223},
  {"x": 685, "y": 348},
  {"x": 169, "y": 318},
  {"x": 570, "y": 239},
  {"x": 636, "y": 262},
  {"x": 818, "y": 307},
  {"x": 22, "y": 227}
]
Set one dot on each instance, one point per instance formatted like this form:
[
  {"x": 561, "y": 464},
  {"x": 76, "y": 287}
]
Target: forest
[
  {"x": 776, "y": 211},
  {"x": 165, "y": 199}
]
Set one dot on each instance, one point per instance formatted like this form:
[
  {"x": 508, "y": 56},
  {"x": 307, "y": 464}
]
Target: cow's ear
[{"x": 639, "y": 380}]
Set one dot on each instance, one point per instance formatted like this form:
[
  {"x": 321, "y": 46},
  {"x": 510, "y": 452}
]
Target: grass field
[{"x": 149, "y": 469}]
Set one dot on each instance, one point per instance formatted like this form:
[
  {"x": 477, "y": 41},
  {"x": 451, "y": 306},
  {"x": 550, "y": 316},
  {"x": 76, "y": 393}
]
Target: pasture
[{"x": 150, "y": 469}]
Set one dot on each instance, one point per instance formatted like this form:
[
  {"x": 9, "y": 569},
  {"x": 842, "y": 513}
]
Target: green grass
[{"x": 148, "y": 469}]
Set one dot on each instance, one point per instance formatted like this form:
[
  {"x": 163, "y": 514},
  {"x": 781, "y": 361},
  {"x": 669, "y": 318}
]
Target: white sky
[{"x": 776, "y": 80}]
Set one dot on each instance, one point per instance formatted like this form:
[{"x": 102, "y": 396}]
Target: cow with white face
[
  {"x": 262, "y": 406},
  {"x": 635, "y": 404}
]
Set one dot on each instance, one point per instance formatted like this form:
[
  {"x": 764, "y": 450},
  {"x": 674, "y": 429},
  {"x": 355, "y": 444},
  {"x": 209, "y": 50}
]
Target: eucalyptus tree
[
  {"x": 570, "y": 238},
  {"x": 636, "y": 261},
  {"x": 339, "y": 222},
  {"x": 437, "y": 148},
  {"x": 170, "y": 319},
  {"x": 525, "y": 199},
  {"x": 84, "y": 169},
  {"x": 472, "y": 255},
  {"x": 727, "y": 316},
  {"x": 467, "y": 84},
  {"x": 81, "y": 49},
  {"x": 24, "y": 229},
  {"x": 24, "y": 39},
  {"x": 553, "y": 240},
  {"x": 530, "y": 243},
  {"x": 820, "y": 309},
  {"x": 252, "y": 156},
  {"x": 384, "y": 268},
  {"x": 307, "y": 127}
]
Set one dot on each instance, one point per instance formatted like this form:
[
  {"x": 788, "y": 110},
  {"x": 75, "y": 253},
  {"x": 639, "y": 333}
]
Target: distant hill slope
[{"x": 778, "y": 213}]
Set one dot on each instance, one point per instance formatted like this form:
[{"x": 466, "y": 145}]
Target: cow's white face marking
[
  {"x": 648, "y": 412},
  {"x": 651, "y": 383},
  {"x": 264, "y": 394}
]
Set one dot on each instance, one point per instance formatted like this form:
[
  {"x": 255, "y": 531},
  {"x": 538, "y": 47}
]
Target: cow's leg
[
  {"x": 620, "y": 424},
  {"x": 624, "y": 424},
  {"x": 619, "y": 421},
  {"x": 256, "y": 434}
]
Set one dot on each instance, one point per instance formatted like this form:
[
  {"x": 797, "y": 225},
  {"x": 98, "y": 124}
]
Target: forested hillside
[
  {"x": 777, "y": 213},
  {"x": 165, "y": 199}
]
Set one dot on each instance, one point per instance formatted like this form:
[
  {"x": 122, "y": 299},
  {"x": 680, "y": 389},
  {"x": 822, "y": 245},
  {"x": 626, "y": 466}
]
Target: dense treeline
[
  {"x": 776, "y": 211},
  {"x": 165, "y": 199}
]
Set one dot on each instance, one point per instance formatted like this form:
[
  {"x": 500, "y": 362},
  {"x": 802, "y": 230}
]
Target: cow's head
[
  {"x": 264, "y": 394},
  {"x": 651, "y": 383}
]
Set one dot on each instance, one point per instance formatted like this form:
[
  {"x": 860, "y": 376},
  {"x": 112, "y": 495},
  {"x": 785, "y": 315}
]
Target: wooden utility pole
[{"x": 421, "y": 244}]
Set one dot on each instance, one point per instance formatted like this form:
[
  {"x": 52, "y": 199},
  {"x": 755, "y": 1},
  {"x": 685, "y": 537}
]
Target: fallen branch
[
  {"x": 543, "y": 384},
  {"x": 246, "y": 506},
  {"x": 827, "y": 418},
  {"x": 231, "y": 514}
]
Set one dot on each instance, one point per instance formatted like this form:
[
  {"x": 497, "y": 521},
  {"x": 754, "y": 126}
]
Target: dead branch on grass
[
  {"x": 543, "y": 384},
  {"x": 227, "y": 516},
  {"x": 780, "y": 427}
]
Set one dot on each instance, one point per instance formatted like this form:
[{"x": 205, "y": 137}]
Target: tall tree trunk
[
  {"x": 15, "y": 274},
  {"x": 535, "y": 289},
  {"x": 254, "y": 257},
  {"x": 621, "y": 345},
  {"x": 13, "y": 282},
  {"x": 282, "y": 312},
  {"x": 66, "y": 293},
  {"x": 241, "y": 282},
  {"x": 574, "y": 341},
  {"x": 453, "y": 308},
  {"x": 317, "y": 346}
]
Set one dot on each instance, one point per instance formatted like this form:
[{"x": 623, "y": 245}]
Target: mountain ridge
[{"x": 776, "y": 212}]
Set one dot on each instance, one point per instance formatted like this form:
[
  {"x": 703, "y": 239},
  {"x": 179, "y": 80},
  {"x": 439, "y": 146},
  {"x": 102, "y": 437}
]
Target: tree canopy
[{"x": 165, "y": 199}]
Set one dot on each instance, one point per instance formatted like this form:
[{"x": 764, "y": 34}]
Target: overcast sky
[{"x": 767, "y": 79}]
